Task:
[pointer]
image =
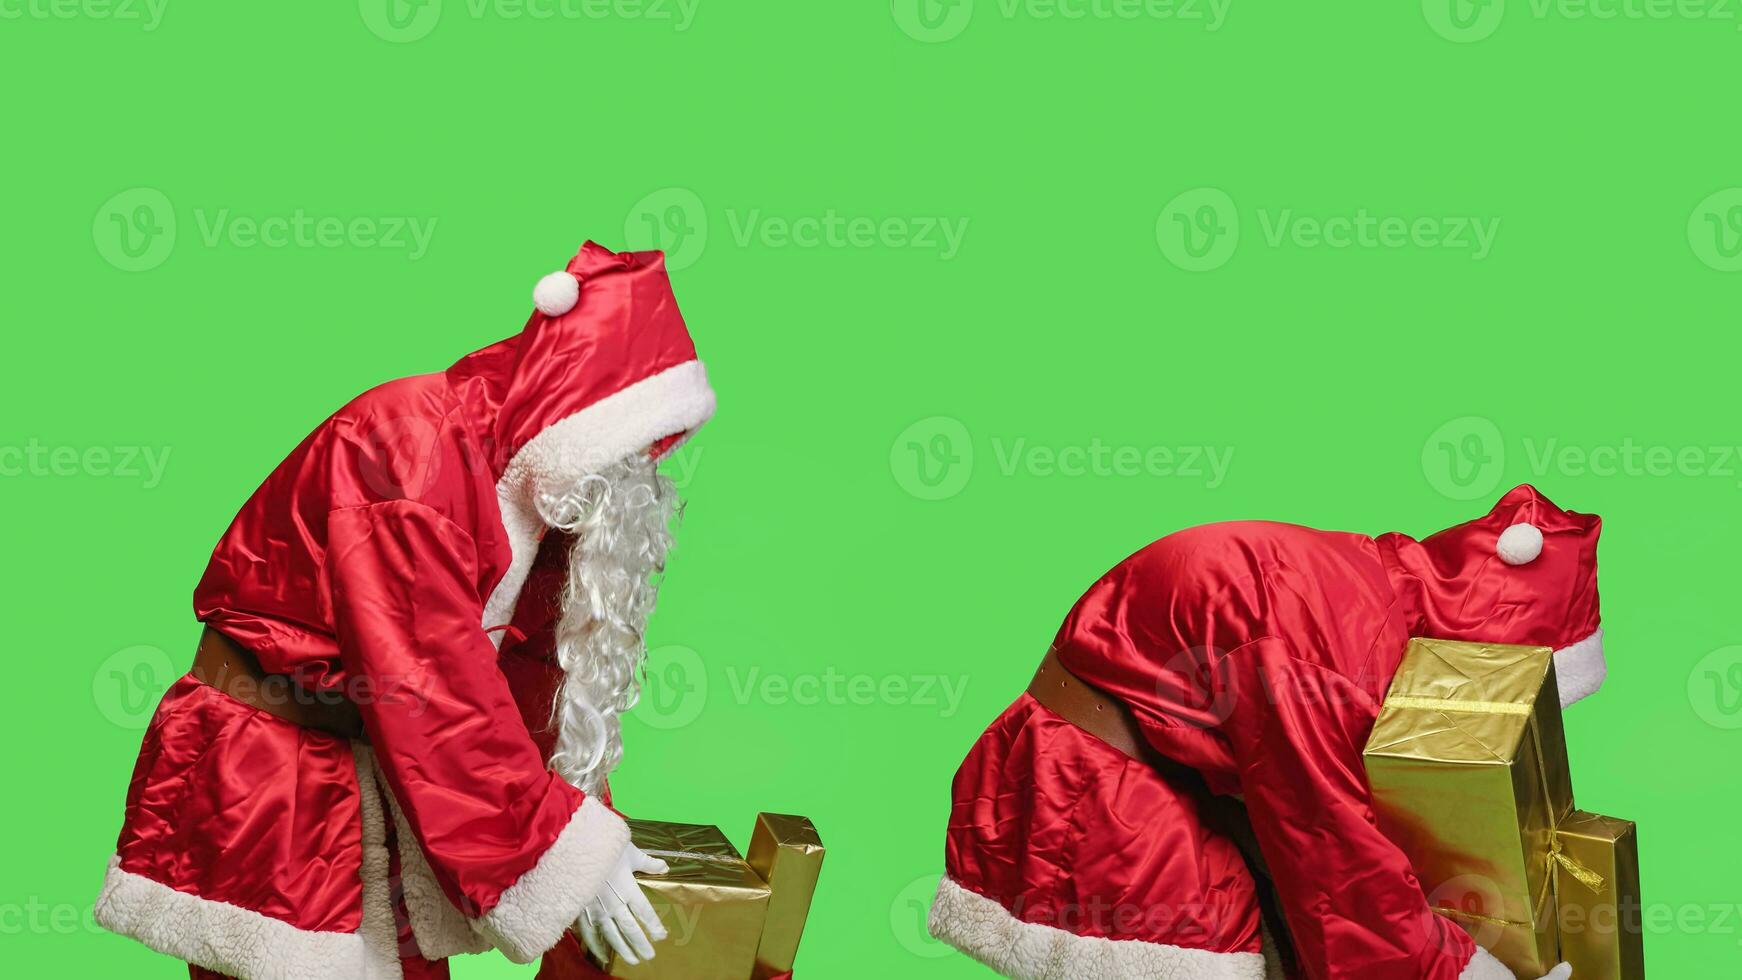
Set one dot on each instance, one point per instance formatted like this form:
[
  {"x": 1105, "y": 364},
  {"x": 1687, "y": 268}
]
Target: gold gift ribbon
[
  {"x": 1587, "y": 877},
  {"x": 1584, "y": 875},
  {"x": 694, "y": 856},
  {"x": 1447, "y": 704},
  {"x": 724, "y": 860},
  {"x": 1479, "y": 917}
]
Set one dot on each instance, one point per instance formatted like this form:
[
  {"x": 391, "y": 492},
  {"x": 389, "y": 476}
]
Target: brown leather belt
[
  {"x": 224, "y": 664},
  {"x": 1062, "y": 693}
]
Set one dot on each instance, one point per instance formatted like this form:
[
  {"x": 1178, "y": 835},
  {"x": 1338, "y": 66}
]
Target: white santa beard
[{"x": 622, "y": 520}]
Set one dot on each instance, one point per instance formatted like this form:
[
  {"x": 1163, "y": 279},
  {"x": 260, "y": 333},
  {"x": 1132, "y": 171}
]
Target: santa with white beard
[{"x": 420, "y": 633}]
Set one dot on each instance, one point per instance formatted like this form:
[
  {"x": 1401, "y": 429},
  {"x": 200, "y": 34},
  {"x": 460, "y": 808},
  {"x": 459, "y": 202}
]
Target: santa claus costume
[
  {"x": 1253, "y": 658},
  {"x": 399, "y": 558}
]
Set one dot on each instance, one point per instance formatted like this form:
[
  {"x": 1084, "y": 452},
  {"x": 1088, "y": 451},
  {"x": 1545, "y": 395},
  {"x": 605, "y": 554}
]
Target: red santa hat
[
  {"x": 603, "y": 369},
  {"x": 1525, "y": 572}
]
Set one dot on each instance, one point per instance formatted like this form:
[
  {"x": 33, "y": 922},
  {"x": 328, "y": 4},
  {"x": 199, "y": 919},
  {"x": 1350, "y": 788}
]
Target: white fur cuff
[
  {"x": 1580, "y": 669},
  {"x": 985, "y": 930},
  {"x": 532, "y": 914}
]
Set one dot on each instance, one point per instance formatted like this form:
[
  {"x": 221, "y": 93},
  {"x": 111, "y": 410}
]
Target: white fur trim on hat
[
  {"x": 531, "y": 915},
  {"x": 1519, "y": 544},
  {"x": 985, "y": 930},
  {"x": 556, "y": 293},
  {"x": 676, "y": 400},
  {"x": 1580, "y": 668}
]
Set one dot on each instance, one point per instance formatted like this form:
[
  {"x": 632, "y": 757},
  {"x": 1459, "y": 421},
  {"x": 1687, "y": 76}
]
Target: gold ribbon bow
[{"x": 1587, "y": 877}]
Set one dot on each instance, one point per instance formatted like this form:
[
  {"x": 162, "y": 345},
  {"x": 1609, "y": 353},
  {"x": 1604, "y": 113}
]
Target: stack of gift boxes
[
  {"x": 727, "y": 916},
  {"x": 1468, "y": 766}
]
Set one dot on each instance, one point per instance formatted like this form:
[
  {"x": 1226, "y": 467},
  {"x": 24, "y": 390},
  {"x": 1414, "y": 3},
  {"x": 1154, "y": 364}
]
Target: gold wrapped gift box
[
  {"x": 1600, "y": 918},
  {"x": 727, "y": 918},
  {"x": 786, "y": 851},
  {"x": 1468, "y": 766}
]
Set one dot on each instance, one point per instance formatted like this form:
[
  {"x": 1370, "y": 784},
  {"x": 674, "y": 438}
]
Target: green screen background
[{"x": 879, "y": 545}]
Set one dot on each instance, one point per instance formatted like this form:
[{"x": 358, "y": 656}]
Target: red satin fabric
[
  {"x": 1257, "y": 654},
  {"x": 1459, "y": 590},
  {"x": 445, "y": 725},
  {"x": 198, "y": 810},
  {"x": 626, "y": 327},
  {"x": 528, "y": 657},
  {"x": 362, "y": 564},
  {"x": 203, "y": 842},
  {"x": 1164, "y": 877},
  {"x": 411, "y": 962}
]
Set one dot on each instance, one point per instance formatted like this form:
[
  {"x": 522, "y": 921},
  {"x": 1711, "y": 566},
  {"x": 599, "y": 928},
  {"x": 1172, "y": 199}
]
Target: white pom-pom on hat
[
  {"x": 556, "y": 293},
  {"x": 1519, "y": 544}
]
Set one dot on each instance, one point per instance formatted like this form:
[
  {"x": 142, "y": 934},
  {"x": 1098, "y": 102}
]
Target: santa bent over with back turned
[
  {"x": 419, "y": 634},
  {"x": 1091, "y": 833}
]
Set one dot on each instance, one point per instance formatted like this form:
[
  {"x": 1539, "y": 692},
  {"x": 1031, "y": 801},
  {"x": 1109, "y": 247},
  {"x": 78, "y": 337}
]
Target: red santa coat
[
  {"x": 381, "y": 559},
  {"x": 1256, "y": 654}
]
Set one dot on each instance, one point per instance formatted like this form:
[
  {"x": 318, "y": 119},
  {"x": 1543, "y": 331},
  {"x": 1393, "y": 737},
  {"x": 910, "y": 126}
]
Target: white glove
[
  {"x": 1483, "y": 966},
  {"x": 619, "y": 917}
]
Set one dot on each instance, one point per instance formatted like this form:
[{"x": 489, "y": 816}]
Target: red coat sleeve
[
  {"x": 514, "y": 847},
  {"x": 1353, "y": 904}
]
